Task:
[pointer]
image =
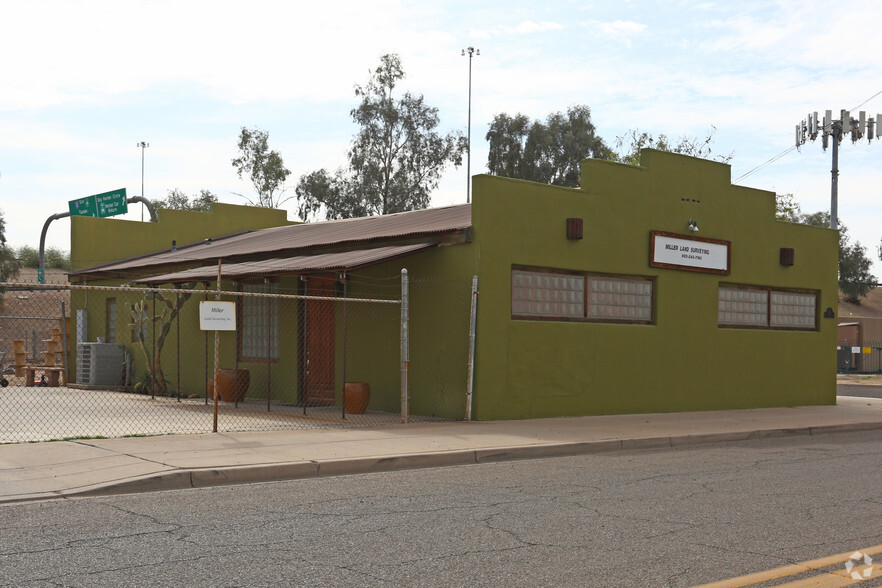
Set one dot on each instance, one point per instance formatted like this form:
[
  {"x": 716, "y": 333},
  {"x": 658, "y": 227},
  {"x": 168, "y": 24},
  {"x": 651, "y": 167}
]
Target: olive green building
[{"x": 652, "y": 288}]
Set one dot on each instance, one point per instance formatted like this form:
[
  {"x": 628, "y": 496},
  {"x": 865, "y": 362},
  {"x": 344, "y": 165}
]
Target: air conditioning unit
[{"x": 101, "y": 364}]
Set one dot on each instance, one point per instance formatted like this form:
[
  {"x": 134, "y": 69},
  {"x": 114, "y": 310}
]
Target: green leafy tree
[
  {"x": 634, "y": 141},
  {"x": 178, "y": 200},
  {"x": 855, "y": 278},
  {"x": 787, "y": 208},
  {"x": 549, "y": 151},
  {"x": 395, "y": 160},
  {"x": 9, "y": 264},
  {"x": 264, "y": 168},
  {"x": 53, "y": 257}
]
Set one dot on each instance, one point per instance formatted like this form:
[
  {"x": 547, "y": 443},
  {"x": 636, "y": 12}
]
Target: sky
[{"x": 84, "y": 82}]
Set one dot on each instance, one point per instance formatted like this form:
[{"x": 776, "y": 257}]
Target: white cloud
[{"x": 619, "y": 30}]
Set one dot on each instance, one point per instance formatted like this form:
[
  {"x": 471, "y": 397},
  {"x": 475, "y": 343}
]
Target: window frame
[
  {"x": 585, "y": 316},
  {"x": 769, "y": 291},
  {"x": 275, "y": 344}
]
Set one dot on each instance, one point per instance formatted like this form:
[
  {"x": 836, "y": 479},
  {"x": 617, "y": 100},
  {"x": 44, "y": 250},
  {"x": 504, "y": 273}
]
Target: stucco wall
[
  {"x": 94, "y": 241},
  {"x": 684, "y": 360}
]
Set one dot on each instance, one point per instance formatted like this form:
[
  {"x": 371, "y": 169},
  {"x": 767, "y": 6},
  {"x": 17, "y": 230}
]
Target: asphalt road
[
  {"x": 673, "y": 517},
  {"x": 859, "y": 390}
]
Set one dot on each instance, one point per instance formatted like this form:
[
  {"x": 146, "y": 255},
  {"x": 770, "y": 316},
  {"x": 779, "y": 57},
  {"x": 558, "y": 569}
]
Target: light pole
[
  {"x": 471, "y": 51},
  {"x": 143, "y": 145}
]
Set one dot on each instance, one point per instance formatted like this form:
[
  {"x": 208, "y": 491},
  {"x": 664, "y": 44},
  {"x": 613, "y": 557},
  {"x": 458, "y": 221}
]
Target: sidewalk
[{"x": 35, "y": 471}]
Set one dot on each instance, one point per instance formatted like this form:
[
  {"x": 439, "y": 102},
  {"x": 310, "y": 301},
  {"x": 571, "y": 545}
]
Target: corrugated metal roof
[
  {"x": 289, "y": 265},
  {"x": 414, "y": 223}
]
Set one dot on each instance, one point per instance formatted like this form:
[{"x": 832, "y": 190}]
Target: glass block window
[
  {"x": 547, "y": 294},
  {"x": 767, "y": 308},
  {"x": 260, "y": 323},
  {"x": 793, "y": 310},
  {"x": 110, "y": 321},
  {"x": 743, "y": 306},
  {"x": 613, "y": 298}
]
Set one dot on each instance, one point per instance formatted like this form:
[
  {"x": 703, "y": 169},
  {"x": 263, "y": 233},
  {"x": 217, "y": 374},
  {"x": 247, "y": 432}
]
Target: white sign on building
[
  {"x": 215, "y": 315},
  {"x": 689, "y": 253}
]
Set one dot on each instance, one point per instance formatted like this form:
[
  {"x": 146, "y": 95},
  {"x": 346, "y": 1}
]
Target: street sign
[
  {"x": 112, "y": 203},
  {"x": 100, "y": 205},
  {"x": 83, "y": 207}
]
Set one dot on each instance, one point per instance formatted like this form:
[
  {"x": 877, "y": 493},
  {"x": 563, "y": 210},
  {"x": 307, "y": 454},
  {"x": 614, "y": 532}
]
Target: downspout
[{"x": 472, "y": 322}]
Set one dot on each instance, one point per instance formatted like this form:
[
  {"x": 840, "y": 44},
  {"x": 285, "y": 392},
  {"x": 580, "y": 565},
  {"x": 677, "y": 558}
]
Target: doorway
[{"x": 319, "y": 324}]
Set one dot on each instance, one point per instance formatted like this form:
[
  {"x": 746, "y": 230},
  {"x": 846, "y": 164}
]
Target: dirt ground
[{"x": 860, "y": 379}]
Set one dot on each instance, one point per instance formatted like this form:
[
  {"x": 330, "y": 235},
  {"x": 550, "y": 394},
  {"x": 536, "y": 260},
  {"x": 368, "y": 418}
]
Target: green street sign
[
  {"x": 112, "y": 203},
  {"x": 101, "y": 205},
  {"x": 83, "y": 207}
]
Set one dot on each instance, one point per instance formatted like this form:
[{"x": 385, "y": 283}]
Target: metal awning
[
  {"x": 427, "y": 225},
  {"x": 346, "y": 260}
]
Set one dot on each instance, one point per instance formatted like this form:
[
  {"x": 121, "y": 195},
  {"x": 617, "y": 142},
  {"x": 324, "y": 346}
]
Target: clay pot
[
  {"x": 356, "y": 397},
  {"x": 232, "y": 385}
]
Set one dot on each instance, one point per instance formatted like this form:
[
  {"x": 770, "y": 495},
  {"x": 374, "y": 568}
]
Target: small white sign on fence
[{"x": 217, "y": 316}]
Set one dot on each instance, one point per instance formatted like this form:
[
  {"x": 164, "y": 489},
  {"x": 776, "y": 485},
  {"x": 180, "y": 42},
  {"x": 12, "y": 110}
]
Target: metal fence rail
[{"x": 106, "y": 361}]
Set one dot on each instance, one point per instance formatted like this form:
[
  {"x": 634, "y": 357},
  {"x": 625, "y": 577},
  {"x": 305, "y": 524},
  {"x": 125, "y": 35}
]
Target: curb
[{"x": 210, "y": 477}]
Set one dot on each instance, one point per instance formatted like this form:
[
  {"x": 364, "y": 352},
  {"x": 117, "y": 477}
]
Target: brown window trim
[
  {"x": 585, "y": 318},
  {"x": 768, "y": 290},
  {"x": 241, "y": 325}
]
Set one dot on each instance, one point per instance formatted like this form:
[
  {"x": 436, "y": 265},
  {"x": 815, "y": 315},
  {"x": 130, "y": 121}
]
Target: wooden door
[{"x": 318, "y": 335}]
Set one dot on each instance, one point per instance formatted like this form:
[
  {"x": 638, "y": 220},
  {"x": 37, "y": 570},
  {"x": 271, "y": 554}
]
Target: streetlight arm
[{"x": 146, "y": 203}]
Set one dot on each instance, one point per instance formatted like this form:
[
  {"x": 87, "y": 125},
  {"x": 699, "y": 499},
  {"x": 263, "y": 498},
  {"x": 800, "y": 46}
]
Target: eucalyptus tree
[{"x": 395, "y": 160}]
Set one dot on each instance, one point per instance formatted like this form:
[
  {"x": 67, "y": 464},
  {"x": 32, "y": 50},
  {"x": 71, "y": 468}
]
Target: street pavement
[
  {"x": 859, "y": 390},
  {"x": 84, "y": 467}
]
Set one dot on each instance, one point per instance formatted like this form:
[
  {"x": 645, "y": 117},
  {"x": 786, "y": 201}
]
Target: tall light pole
[
  {"x": 471, "y": 51},
  {"x": 858, "y": 128},
  {"x": 143, "y": 145}
]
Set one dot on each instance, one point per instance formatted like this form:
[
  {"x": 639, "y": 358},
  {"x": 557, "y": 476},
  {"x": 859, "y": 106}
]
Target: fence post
[
  {"x": 405, "y": 359},
  {"x": 472, "y": 347}
]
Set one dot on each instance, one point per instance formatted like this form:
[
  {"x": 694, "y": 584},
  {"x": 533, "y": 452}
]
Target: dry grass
[{"x": 870, "y": 306}]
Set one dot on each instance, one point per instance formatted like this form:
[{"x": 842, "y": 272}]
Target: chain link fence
[{"x": 109, "y": 361}]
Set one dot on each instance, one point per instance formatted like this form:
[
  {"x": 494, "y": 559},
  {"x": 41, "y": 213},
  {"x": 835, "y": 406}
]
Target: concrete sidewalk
[{"x": 36, "y": 471}]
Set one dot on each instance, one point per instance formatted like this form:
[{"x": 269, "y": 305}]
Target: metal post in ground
[
  {"x": 405, "y": 358},
  {"x": 343, "y": 391},
  {"x": 153, "y": 350},
  {"x": 216, "y": 349},
  {"x": 269, "y": 303},
  {"x": 178, "y": 306}
]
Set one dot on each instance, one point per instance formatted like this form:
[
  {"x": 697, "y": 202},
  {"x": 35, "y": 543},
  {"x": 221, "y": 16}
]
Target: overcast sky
[{"x": 83, "y": 82}]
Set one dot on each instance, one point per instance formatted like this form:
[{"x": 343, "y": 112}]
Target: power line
[{"x": 762, "y": 165}]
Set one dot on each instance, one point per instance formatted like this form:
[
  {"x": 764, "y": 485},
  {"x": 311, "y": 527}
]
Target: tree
[
  {"x": 53, "y": 257},
  {"x": 395, "y": 160},
  {"x": 855, "y": 279},
  {"x": 787, "y": 208},
  {"x": 634, "y": 141},
  {"x": 177, "y": 200},
  {"x": 264, "y": 168},
  {"x": 9, "y": 264},
  {"x": 550, "y": 152}
]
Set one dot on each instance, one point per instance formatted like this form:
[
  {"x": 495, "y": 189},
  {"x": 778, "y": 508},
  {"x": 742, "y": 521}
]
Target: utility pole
[
  {"x": 470, "y": 51},
  {"x": 858, "y": 128},
  {"x": 143, "y": 145}
]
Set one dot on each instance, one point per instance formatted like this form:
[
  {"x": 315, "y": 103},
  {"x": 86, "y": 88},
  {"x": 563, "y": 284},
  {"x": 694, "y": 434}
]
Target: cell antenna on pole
[{"x": 836, "y": 129}]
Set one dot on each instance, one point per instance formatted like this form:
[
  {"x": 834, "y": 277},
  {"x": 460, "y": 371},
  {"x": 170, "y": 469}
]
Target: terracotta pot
[
  {"x": 356, "y": 397},
  {"x": 232, "y": 385}
]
